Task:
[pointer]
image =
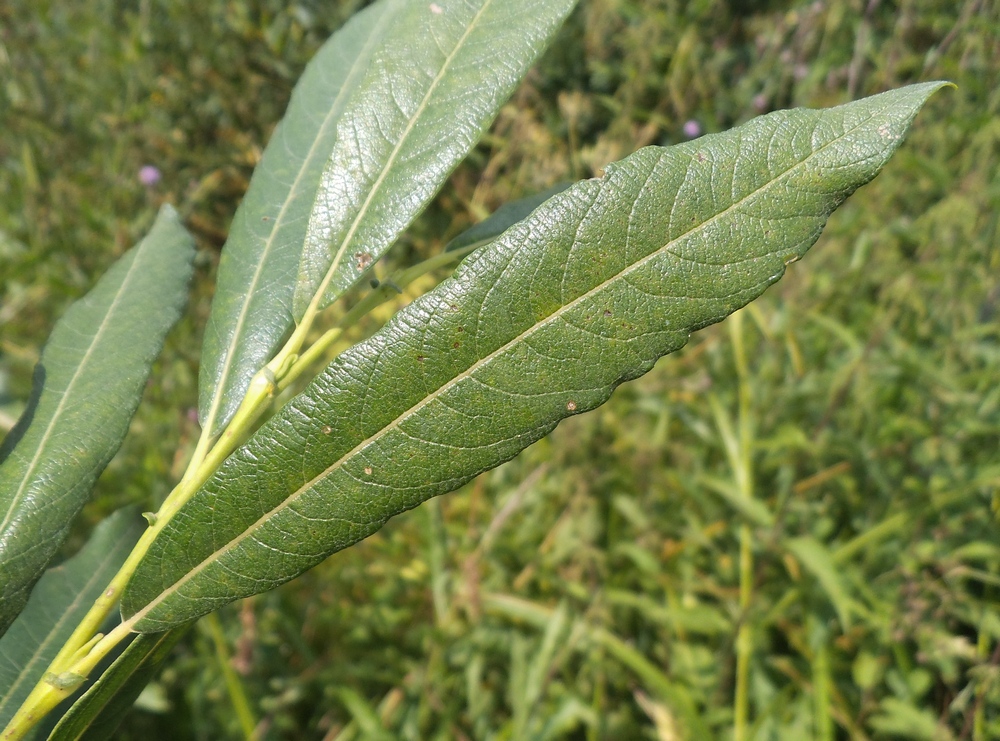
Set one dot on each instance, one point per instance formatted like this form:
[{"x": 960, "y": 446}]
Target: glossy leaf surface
[
  {"x": 252, "y": 310},
  {"x": 545, "y": 322},
  {"x": 88, "y": 383},
  {"x": 432, "y": 89},
  {"x": 61, "y": 598}
]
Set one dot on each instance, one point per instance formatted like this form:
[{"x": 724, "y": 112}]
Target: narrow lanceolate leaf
[
  {"x": 438, "y": 81},
  {"x": 98, "y": 713},
  {"x": 87, "y": 386},
  {"x": 502, "y": 219},
  {"x": 545, "y": 322},
  {"x": 61, "y": 598},
  {"x": 252, "y": 309}
]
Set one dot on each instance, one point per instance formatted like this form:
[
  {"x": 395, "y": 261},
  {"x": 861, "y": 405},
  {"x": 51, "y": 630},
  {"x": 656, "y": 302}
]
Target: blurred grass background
[{"x": 811, "y": 485}]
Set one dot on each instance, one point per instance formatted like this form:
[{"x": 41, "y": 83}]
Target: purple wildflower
[
  {"x": 692, "y": 129},
  {"x": 149, "y": 175}
]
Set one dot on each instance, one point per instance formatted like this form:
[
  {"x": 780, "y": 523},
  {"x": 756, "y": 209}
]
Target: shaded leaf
[
  {"x": 89, "y": 381},
  {"x": 503, "y": 218},
  {"x": 252, "y": 309},
  {"x": 98, "y": 713},
  {"x": 545, "y": 322},
  {"x": 441, "y": 77},
  {"x": 59, "y": 601}
]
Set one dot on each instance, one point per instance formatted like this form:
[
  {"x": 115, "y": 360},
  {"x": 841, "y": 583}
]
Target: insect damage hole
[
  {"x": 368, "y": 470},
  {"x": 363, "y": 260}
]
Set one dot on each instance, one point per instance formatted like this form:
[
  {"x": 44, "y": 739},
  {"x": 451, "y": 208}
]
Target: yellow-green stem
[
  {"x": 85, "y": 647},
  {"x": 72, "y": 659},
  {"x": 744, "y": 643},
  {"x": 50, "y": 691},
  {"x": 234, "y": 686},
  {"x": 385, "y": 291},
  {"x": 743, "y": 472}
]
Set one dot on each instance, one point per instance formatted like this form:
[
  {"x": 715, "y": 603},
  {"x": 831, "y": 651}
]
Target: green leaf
[
  {"x": 898, "y": 718},
  {"x": 820, "y": 562},
  {"x": 503, "y": 218},
  {"x": 363, "y": 714},
  {"x": 61, "y": 598},
  {"x": 651, "y": 677},
  {"x": 252, "y": 310},
  {"x": 98, "y": 713},
  {"x": 545, "y": 322},
  {"x": 430, "y": 92},
  {"x": 88, "y": 384}
]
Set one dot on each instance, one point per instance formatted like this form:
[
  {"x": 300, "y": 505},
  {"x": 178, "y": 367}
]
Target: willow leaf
[
  {"x": 61, "y": 598},
  {"x": 98, "y": 713},
  {"x": 88, "y": 383},
  {"x": 503, "y": 218},
  {"x": 432, "y": 89},
  {"x": 545, "y": 322},
  {"x": 252, "y": 310}
]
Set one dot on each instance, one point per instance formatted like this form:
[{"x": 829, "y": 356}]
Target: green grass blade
[
  {"x": 544, "y": 323},
  {"x": 439, "y": 80},
  {"x": 60, "y": 599},
  {"x": 251, "y": 313},
  {"x": 819, "y": 561},
  {"x": 88, "y": 383}
]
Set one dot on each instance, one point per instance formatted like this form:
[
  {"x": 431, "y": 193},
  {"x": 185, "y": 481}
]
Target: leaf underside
[
  {"x": 88, "y": 384},
  {"x": 545, "y": 322}
]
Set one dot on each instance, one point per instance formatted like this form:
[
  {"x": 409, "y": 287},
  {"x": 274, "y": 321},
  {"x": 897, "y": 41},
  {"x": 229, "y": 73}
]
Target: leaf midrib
[
  {"x": 306, "y": 487},
  {"x": 68, "y": 393},
  {"x": 338, "y": 258},
  {"x": 357, "y": 69}
]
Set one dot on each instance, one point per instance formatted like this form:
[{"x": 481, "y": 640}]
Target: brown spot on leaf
[
  {"x": 368, "y": 470},
  {"x": 571, "y": 405},
  {"x": 326, "y": 429},
  {"x": 363, "y": 260}
]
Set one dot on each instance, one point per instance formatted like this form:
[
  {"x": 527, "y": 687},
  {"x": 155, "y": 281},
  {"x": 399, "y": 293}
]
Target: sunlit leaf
[
  {"x": 432, "y": 89},
  {"x": 545, "y": 322},
  {"x": 251, "y": 312}
]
